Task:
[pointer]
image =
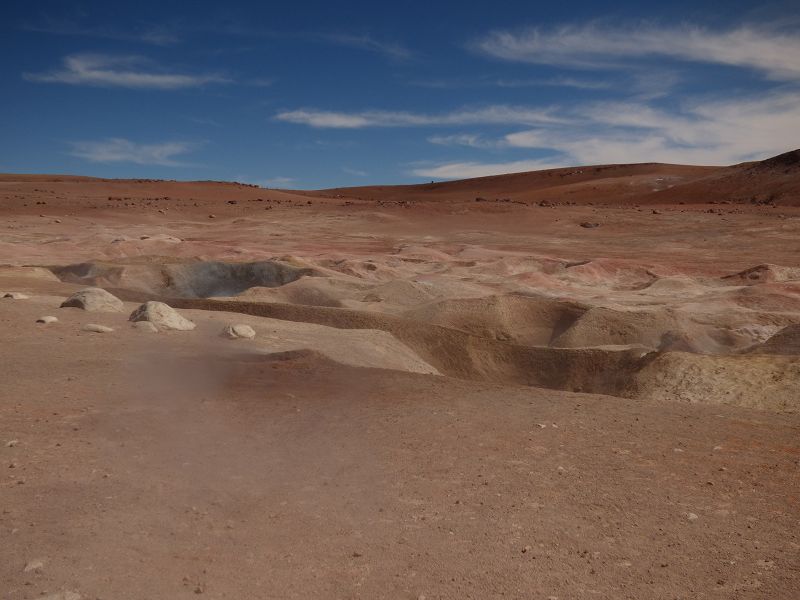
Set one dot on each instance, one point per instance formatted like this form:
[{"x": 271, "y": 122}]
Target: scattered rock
[
  {"x": 239, "y": 331},
  {"x": 47, "y": 320},
  {"x": 162, "y": 316},
  {"x": 11, "y": 443},
  {"x": 589, "y": 225},
  {"x": 95, "y": 328},
  {"x": 145, "y": 326},
  {"x": 66, "y": 595},
  {"x": 16, "y": 296},
  {"x": 94, "y": 300},
  {"x": 691, "y": 516},
  {"x": 36, "y": 564}
]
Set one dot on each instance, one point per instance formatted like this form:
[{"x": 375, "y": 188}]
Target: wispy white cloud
[
  {"x": 465, "y": 170},
  {"x": 470, "y": 140},
  {"x": 364, "y": 42},
  {"x": 276, "y": 182},
  {"x": 119, "y": 71},
  {"x": 158, "y": 34},
  {"x": 774, "y": 53},
  {"x": 122, "y": 150},
  {"x": 487, "y": 82},
  {"x": 356, "y": 172},
  {"x": 495, "y": 114},
  {"x": 702, "y": 132}
]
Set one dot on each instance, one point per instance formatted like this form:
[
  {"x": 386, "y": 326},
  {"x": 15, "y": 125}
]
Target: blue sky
[{"x": 323, "y": 94}]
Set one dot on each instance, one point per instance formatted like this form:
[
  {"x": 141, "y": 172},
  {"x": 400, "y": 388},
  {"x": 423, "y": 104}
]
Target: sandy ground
[{"x": 445, "y": 398}]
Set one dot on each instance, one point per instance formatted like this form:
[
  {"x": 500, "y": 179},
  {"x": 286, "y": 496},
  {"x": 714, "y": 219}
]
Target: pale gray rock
[
  {"x": 65, "y": 595},
  {"x": 95, "y": 328},
  {"x": 94, "y": 300},
  {"x": 239, "y": 331},
  {"x": 16, "y": 296},
  {"x": 47, "y": 319},
  {"x": 162, "y": 316},
  {"x": 37, "y": 564}
]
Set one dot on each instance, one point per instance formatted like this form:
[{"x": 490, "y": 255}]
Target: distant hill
[{"x": 775, "y": 180}]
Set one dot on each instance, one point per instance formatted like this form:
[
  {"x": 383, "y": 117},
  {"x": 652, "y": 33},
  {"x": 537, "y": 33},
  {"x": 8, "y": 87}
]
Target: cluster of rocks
[{"x": 152, "y": 316}]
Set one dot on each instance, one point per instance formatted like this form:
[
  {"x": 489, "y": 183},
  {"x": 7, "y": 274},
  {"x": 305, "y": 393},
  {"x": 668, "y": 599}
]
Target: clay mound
[
  {"x": 456, "y": 353},
  {"x": 599, "y": 325},
  {"x": 368, "y": 270},
  {"x": 785, "y": 341},
  {"x": 529, "y": 321},
  {"x": 309, "y": 291},
  {"x": 201, "y": 279},
  {"x": 773, "y": 297},
  {"x": 400, "y": 293},
  {"x": 610, "y": 274},
  {"x": 763, "y": 382},
  {"x": 764, "y": 273},
  {"x": 675, "y": 284},
  {"x": 657, "y": 328}
]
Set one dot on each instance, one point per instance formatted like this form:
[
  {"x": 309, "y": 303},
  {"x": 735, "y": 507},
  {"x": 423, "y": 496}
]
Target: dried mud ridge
[{"x": 733, "y": 339}]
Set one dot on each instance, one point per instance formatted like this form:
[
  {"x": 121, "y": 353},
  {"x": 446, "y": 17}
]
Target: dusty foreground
[{"x": 445, "y": 397}]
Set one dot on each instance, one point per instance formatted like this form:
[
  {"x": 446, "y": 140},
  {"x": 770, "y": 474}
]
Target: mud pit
[
  {"x": 444, "y": 398},
  {"x": 554, "y": 333},
  {"x": 202, "y": 279}
]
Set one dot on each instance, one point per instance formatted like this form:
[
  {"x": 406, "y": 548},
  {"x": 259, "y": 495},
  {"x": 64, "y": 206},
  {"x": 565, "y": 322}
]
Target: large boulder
[
  {"x": 94, "y": 300},
  {"x": 162, "y": 316}
]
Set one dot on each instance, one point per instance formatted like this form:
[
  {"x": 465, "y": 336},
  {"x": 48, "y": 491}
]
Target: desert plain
[{"x": 574, "y": 383}]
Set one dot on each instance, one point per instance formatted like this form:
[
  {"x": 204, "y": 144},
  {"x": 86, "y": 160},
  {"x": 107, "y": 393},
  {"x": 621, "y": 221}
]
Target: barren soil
[{"x": 578, "y": 383}]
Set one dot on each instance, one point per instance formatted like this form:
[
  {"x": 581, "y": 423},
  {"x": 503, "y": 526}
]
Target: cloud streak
[
  {"x": 465, "y": 170},
  {"x": 119, "y": 71},
  {"x": 703, "y": 132},
  {"x": 123, "y": 150},
  {"x": 773, "y": 53},
  {"x": 158, "y": 35},
  {"x": 495, "y": 114}
]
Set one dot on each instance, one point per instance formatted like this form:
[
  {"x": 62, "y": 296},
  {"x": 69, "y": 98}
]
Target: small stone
[
  {"x": 11, "y": 443},
  {"x": 36, "y": 564},
  {"x": 47, "y": 319},
  {"x": 239, "y": 331},
  {"x": 66, "y": 595},
  {"x": 16, "y": 296},
  {"x": 588, "y": 225},
  {"x": 95, "y": 328},
  {"x": 691, "y": 516}
]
